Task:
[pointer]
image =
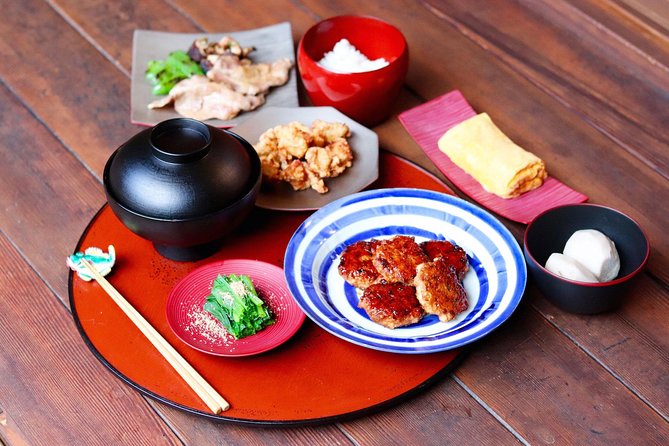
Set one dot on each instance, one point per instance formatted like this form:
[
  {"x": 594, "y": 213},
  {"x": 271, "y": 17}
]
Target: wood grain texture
[
  {"x": 653, "y": 12},
  {"x": 643, "y": 28},
  {"x": 637, "y": 330},
  {"x": 84, "y": 100},
  {"x": 47, "y": 196},
  {"x": 581, "y": 83},
  {"x": 444, "y": 415},
  {"x": 52, "y": 388},
  {"x": 196, "y": 431},
  {"x": 97, "y": 21},
  {"x": 552, "y": 393}
]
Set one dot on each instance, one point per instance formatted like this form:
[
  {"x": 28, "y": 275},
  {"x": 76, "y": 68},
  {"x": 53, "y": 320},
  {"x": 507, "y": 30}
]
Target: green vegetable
[
  {"x": 235, "y": 303},
  {"x": 164, "y": 74}
]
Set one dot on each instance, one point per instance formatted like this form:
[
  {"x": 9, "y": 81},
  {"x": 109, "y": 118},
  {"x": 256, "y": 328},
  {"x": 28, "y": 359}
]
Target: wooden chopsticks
[{"x": 208, "y": 394}]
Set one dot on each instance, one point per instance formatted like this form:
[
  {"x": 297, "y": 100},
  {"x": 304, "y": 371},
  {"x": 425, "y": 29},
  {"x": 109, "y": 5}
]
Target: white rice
[{"x": 345, "y": 58}]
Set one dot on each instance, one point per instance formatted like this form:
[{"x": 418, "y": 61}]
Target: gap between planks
[{"x": 599, "y": 362}]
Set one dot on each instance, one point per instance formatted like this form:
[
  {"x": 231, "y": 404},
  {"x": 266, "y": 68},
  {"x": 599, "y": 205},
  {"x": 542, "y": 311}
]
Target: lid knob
[{"x": 180, "y": 140}]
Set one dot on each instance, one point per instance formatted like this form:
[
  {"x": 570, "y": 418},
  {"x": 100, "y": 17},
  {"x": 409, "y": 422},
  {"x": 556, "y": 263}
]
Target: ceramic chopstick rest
[{"x": 102, "y": 261}]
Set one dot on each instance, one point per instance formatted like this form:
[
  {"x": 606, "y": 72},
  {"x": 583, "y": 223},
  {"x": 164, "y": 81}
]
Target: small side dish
[
  {"x": 235, "y": 303},
  {"x": 280, "y": 195},
  {"x": 428, "y": 122},
  {"x": 568, "y": 230},
  {"x": 303, "y": 156},
  {"x": 195, "y": 326},
  {"x": 481, "y": 149},
  {"x": 588, "y": 256},
  {"x": 215, "y": 80},
  {"x": 270, "y": 43},
  {"x": 401, "y": 280},
  {"x": 337, "y": 74}
]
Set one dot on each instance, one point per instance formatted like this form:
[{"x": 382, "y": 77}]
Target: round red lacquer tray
[{"x": 314, "y": 377}]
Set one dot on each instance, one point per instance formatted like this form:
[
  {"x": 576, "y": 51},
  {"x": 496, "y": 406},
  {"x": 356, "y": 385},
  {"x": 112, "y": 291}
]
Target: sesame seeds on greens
[{"x": 235, "y": 303}]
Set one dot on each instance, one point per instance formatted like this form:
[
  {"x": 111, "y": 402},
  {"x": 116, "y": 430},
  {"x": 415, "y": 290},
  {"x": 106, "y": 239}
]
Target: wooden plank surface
[
  {"x": 52, "y": 389},
  {"x": 551, "y": 392},
  {"x": 582, "y": 84},
  {"x": 46, "y": 206}
]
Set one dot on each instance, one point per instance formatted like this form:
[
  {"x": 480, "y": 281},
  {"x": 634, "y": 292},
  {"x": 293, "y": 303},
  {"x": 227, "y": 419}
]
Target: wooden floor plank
[
  {"x": 44, "y": 208},
  {"x": 637, "y": 26},
  {"x": 196, "y": 431},
  {"x": 98, "y": 20},
  {"x": 553, "y": 392},
  {"x": 52, "y": 388},
  {"x": 637, "y": 330},
  {"x": 446, "y": 413},
  {"x": 84, "y": 101}
]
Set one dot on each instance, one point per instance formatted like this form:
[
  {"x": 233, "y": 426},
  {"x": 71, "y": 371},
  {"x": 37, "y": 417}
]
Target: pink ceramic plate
[
  {"x": 203, "y": 332},
  {"x": 427, "y": 122}
]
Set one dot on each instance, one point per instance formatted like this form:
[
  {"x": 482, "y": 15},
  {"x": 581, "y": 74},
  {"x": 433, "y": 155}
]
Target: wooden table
[{"x": 583, "y": 83}]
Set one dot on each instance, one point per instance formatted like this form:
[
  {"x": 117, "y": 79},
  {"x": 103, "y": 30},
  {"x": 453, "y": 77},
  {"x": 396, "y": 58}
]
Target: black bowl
[
  {"x": 183, "y": 185},
  {"x": 549, "y": 232}
]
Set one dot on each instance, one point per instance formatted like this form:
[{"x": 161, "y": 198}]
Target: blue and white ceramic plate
[{"x": 494, "y": 283}]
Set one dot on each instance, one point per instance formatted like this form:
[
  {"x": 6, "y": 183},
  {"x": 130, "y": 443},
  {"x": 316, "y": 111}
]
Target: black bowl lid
[{"x": 181, "y": 168}]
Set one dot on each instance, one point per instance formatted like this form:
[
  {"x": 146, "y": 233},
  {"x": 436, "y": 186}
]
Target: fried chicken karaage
[{"x": 303, "y": 156}]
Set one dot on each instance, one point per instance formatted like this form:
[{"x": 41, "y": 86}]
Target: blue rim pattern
[{"x": 495, "y": 283}]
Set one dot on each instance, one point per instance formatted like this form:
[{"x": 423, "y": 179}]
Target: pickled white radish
[
  {"x": 569, "y": 268},
  {"x": 596, "y": 252}
]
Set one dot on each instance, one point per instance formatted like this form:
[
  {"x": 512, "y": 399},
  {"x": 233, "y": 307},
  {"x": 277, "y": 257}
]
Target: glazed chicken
[
  {"x": 402, "y": 280},
  {"x": 391, "y": 304},
  {"x": 439, "y": 290},
  {"x": 355, "y": 264},
  {"x": 396, "y": 259},
  {"x": 453, "y": 254}
]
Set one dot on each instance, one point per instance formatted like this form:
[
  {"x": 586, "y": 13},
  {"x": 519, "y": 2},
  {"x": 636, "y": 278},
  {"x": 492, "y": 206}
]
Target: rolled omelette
[{"x": 502, "y": 167}]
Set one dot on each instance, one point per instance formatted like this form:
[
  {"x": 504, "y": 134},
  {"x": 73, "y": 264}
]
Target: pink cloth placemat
[{"x": 427, "y": 122}]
